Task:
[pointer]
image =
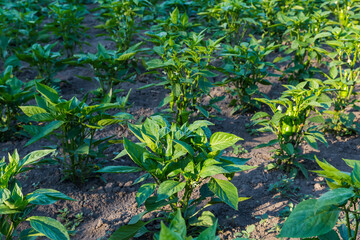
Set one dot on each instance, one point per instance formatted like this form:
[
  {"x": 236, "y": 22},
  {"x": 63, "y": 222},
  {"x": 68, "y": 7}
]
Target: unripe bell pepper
[{"x": 344, "y": 90}]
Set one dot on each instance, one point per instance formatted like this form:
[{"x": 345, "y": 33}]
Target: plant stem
[{"x": 348, "y": 222}]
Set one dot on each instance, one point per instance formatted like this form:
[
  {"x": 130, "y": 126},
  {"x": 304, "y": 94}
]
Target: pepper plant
[
  {"x": 21, "y": 25},
  {"x": 111, "y": 68},
  {"x": 291, "y": 121},
  {"x": 180, "y": 160},
  {"x": 120, "y": 20},
  {"x": 67, "y": 26},
  {"x": 16, "y": 207},
  {"x": 303, "y": 36},
  {"x": 74, "y": 125},
  {"x": 246, "y": 67},
  {"x": 13, "y": 93},
  {"x": 272, "y": 30},
  {"x": 344, "y": 12},
  {"x": 177, "y": 230},
  {"x": 342, "y": 78},
  {"x": 235, "y": 17},
  {"x": 318, "y": 217},
  {"x": 187, "y": 72},
  {"x": 46, "y": 62},
  {"x": 176, "y": 26}
]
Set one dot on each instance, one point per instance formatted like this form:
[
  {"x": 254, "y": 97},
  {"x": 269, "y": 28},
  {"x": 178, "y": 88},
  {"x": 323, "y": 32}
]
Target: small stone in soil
[
  {"x": 99, "y": 223},
  {"x": 128, "y": 184},
  {"x": 317, "y": 187}
]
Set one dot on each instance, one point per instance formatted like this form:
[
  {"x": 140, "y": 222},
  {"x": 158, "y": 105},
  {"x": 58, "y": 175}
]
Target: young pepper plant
[
  {"x": 111, "y": 68},
  {"x": 235, "y": 17},
  {"x": 187, "y": 72},
  {"x": 177, "y": 230},
  {"x": 343, "y": 78},
  {"x": 15, "y": 207},
  {"x": 74, "y": 125},
  {"x": 120, "y": 20},
  {"x": 246, "y": 67},
  {"x": 46, "y": 62},
  {"x": 292, "y": 115},
  {"x": 180, "y": 159},
  {"x": 303, "y": 39},
  {"x": 13, "y": 93},
  {"x": 318, "y": 217},
  {"x": 20, "y": 24},
  {"x": 67, "y": 25}
]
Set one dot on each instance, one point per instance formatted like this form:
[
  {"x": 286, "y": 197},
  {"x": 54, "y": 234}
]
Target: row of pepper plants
[{"x": 188, "y": 48}]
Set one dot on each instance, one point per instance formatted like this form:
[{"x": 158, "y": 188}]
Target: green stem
[
  {"x": 356, "y": 218},
  {"x": 348, "y": 222},
  {"x": 9, "y": 233},
  {"x": 186, "y": 198}
]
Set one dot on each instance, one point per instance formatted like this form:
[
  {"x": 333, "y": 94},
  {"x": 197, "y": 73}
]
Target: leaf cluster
[
  {"x": 291, "y": 120},
  {"x": 15, "y": 207},
  {"x": 73, "y": 123},
  {"x": 180, "y": 161},
  {"x": 318, "y": 217},
  {"x": 13, "y": 93}
]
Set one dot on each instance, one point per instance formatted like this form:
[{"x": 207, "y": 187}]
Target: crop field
[{"x": 179, "y": 119}]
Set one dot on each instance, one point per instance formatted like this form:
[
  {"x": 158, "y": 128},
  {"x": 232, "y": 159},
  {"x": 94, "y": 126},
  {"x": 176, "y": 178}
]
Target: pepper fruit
[{"x": 344, "y": 90}]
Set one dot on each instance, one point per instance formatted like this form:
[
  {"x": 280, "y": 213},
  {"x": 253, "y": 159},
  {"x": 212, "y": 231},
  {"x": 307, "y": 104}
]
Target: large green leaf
[
  {"x": 152, "y": 204},
  {"x": 225, "y": 190},
  {"x": 46, "y": 197},
  {"x": 211, "y": 170},
  {"x": 49, "y": 227},
  {"x": 168, "y": 188},
  {"x": 222, "y": 140},
  {"x": 185, "y": 146},
  {"x": 335, "y": 197},
  {"x": 207, "y": 219},
  {"x": 311, "y": 141},
  {"x": 6, "y": 210},
  {"x": 355, "y": 175},
  {"x": 209, "y": 233},
  {"x": 32, "y": 110},
  {"x": 127, "y": 231},
  {"x": 134, "y": 151},
  {"x": 42, "y": 117},
  {"x": 332, "y": 173},
  {"x": 5, "y": 194},
  {"x": 167, "y": 234},
  {"x": 174, "y": 16},
  {"x": 45, "y": 131},
  {"x": 119, "y": 169},
  {"x": 126, "y": 56},
  {"x": 144, "y": 192},
  {"x": 83, "y": 149},
  {"x": 49, "y": 93},
  {"x": 107, "y": 122},
  {"x": 332, "y": 235},
  {"x": 198, "y": 124},
  {"x": 178, "y": 224},
  {"x": 30, "y": 234},
  {"x": 32, "y": 157},
  {"x": 351, "y": 163},
  {"x": 306, "y": 221}
]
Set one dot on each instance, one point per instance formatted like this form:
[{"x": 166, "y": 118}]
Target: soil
[{"x": 108, "y": 205}]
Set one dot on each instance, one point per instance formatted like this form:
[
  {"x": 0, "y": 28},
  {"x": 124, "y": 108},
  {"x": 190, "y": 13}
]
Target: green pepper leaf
[
  {"x": 168, "y": 188},
  {"x": 49, "y": 227},
  {"x": 225, "y": 190},
  {"x": 306, "y": 221},
  {"x": 222, "y": 140},
  {"x": 144, "y": 192}
]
